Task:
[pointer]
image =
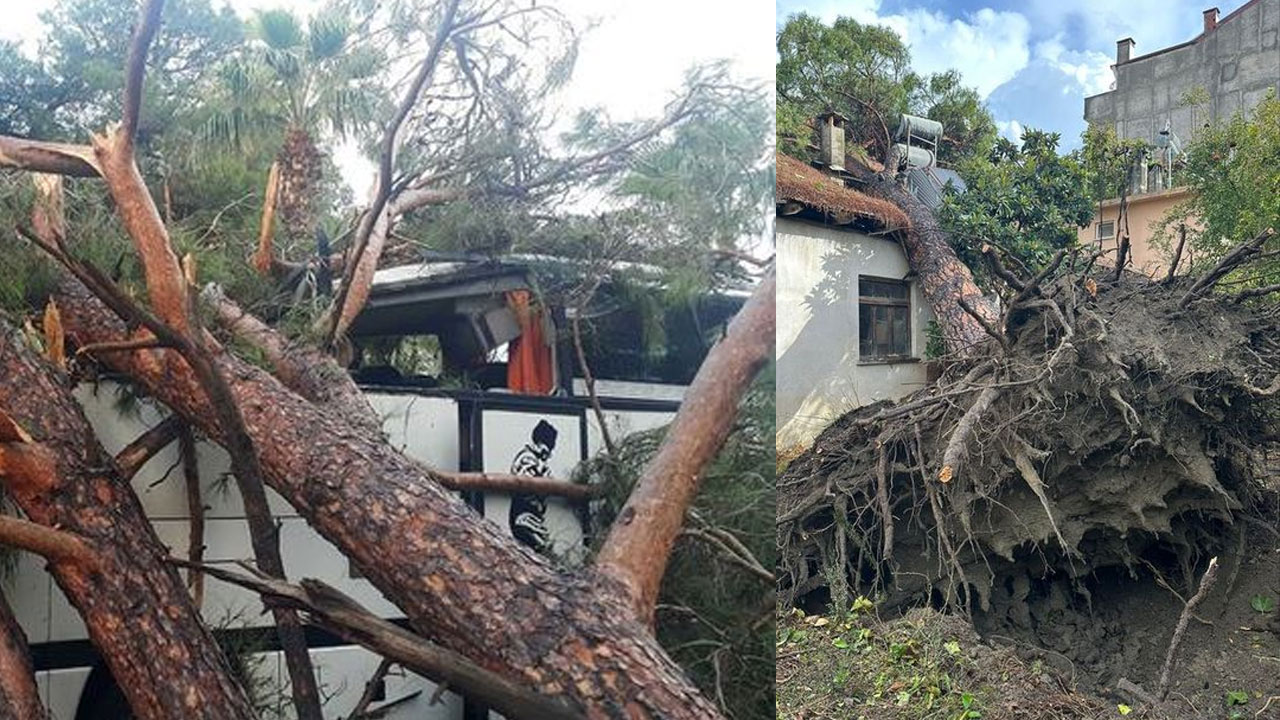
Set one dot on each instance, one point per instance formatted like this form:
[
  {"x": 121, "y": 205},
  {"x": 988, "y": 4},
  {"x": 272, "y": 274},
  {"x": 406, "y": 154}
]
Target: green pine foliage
[{"x": 716, "y": 619}]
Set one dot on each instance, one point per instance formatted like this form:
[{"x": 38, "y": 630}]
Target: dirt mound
[
  {"x": 1116, "y": 435},
  {"x": 923, "y": 666}
]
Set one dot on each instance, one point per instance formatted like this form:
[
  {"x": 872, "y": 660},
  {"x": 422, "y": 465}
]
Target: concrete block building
[
  {"x": 1170, "y": 94},
  {"x": 1235, "y": 60}
]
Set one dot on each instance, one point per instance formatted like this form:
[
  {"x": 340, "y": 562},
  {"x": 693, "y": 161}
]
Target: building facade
[
  {"x": 852, "y": 322},
  {"x": 1165, "y": 97},
  {"x": 1228, "y": 68},
  {"x": 1149, "y": 253}
]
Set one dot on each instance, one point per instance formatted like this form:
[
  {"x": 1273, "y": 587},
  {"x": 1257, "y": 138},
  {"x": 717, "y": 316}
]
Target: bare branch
[
  {"x": 195, "y": 510},
  {"x": 522, "y": 484},
  {"x": 48, "y": 157},
  {"x": 53, "y": 545},
  {"x": 1206, "y": 584},
  {"x": 145, "y": 446},
  {"x": 639, "y": 544},
  {"x": 136, "y": 67},
  {"x": 302, "y": 368},
  {"x": 747, "y": 562},
  {"x": 334, "y": 611},
  {"x": 1177, "y": 254},
  {"x": 1229, "y": 262},
  {"x": 139, "y": 343},
  {"x": 575, "y": 323},
  {"x": 343, "y": 310}
]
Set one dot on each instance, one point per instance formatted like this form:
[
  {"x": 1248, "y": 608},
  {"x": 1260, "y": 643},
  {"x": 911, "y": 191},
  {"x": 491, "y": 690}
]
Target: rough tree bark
[
  {"x": 19, "y": 697},
  {"x": 168, "y": 287},
  {"x": 135, "y": 607},
  {"x": 944, "y": 280},
  {"x": 461, "y": 581},
  {"x": 639, "y": 543},
  {"x": 458, "y": 579}
]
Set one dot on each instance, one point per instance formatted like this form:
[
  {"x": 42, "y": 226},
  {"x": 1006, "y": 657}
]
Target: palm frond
[
  {"x": 327, "y": 35},
  {"x": 279, "y": 29}
]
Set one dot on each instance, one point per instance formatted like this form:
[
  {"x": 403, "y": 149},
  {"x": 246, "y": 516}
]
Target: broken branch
[
  {"x": 334, "y": 611},
  {"x": 516, "y": 484},
  {"x": 1206, "y": 583},
  {"x": 639, "y": 544},
  {"x": 145, "y": 446},
  {"x": 54, "y": 545}
]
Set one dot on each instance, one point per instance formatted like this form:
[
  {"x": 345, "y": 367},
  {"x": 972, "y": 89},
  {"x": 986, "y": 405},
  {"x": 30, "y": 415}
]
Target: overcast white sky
[{"x": 630, "y": 64}]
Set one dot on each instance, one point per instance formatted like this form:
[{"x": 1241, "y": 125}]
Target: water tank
[
  {"x": 910, "y": 157},
  {"x": 919, "y": 129}
]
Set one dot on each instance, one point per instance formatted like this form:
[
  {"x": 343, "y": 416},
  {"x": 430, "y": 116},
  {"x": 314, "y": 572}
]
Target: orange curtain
[{"x": 530, "y": 368}]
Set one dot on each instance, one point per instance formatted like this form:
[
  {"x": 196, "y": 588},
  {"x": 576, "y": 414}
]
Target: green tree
[
  {"x": 84, "y": 50},
  {"x": 296, "y": 84},
  {"x": 863, "y": 72},
  {"x": 1231, "y": 171},
  {"x": 968, "y": 129},
  {"x": 1028, "y": 201}
]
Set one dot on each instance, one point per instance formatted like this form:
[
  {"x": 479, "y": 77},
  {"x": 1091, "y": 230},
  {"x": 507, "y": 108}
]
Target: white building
[{"x": 852, "y": 324}]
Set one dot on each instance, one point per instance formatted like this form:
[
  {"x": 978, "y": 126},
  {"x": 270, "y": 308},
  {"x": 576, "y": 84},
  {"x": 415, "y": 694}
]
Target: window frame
[
  {"x": 1097, "y": 230},
  {"x": 905, "y": 303}
]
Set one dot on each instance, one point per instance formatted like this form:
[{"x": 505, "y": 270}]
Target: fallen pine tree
[{"x": 1104, "y": 423}]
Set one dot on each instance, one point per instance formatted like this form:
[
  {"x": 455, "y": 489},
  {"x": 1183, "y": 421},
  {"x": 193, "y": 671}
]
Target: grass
[{"x": 924, "y": 666}]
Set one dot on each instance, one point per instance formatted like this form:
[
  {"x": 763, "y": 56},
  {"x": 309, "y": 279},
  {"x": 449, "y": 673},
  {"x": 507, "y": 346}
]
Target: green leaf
[
  {"x": 840, "y": 643},
  {"x": 328, "y": 35},
  {"x": 952, "y": 647},
  {"x": 1124, "y": 709},
  {"x": 1237, "y": 697},
  {"x": 1262, "y": 603},
  {"x": 279, "y": 29}
]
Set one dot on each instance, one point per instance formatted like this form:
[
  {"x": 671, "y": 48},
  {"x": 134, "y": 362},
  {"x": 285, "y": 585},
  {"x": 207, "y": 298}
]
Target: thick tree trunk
[
  {"x": 942, "y": 277},
  {"x": 459, "y": 580},
  {"x": 19, "y": 697},
  {"x": 136, "y": 609},
  {"x": 640, "y": 542}
]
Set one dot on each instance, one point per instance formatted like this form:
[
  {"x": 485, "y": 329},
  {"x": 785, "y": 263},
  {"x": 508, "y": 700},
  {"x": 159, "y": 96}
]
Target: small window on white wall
[
  {"x": 884, "y": 319},
  {"x": 1105, "y": 230}
]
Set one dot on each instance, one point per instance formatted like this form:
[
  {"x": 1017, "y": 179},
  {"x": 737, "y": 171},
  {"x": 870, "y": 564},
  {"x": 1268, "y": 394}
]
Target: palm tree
[{"x": 296, "y": 83}]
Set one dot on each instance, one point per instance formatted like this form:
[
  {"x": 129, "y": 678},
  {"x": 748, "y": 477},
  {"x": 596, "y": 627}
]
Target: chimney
[
  {"x": 832, "y": 132},
  {"x": 1124, "y": 49},
  {"x": 1210, "y": 19}
]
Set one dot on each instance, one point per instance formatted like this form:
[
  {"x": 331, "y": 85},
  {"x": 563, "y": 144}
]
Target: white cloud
[
  {"x": 634, "y": 60},
  {"x": 988, "y": 47},
  {"x": 1091, "y": 69},
  {"x": 1011, "y": 129},
  {"x": 1153, "y": 24}
]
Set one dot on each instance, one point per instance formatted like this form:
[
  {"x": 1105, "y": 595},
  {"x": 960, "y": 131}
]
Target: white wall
[{"x": 819, "y": 376}]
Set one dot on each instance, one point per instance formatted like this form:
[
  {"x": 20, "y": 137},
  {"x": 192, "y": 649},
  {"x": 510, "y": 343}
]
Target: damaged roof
[{"x": 814, "y": 189}]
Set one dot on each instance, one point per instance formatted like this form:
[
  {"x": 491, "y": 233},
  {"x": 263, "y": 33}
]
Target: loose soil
[{"x": 1065, "y": 489}]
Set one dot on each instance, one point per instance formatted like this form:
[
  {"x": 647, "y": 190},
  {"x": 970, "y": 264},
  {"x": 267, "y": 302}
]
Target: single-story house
[{"x": 852, "y": 322}]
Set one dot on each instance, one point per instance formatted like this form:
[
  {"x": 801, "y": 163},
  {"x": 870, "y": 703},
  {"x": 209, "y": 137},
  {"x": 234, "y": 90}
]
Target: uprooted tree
[
  {"x": 530, "y": 640},
  {"x": 1102, "y": 424}
]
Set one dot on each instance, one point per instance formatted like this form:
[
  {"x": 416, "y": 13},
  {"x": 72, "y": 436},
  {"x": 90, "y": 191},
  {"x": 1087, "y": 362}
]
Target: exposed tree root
[{"x": 1115, "y": 420}]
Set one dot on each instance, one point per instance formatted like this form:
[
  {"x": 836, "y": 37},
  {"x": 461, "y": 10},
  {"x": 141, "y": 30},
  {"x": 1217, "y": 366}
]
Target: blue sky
[{"x": 1033, "y": 61}]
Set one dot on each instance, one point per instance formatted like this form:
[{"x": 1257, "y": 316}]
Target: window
[
  {"x": 1105, "y": 230},
  {"x": 884, "y": 319}
]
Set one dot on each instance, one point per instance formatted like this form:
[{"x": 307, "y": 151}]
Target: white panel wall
[{"x": 819, "y": 375}]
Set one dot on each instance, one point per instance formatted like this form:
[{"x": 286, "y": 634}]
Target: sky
[
  {"x": 631, "y": 63},
  {"x": 1033, "y": 61}
]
